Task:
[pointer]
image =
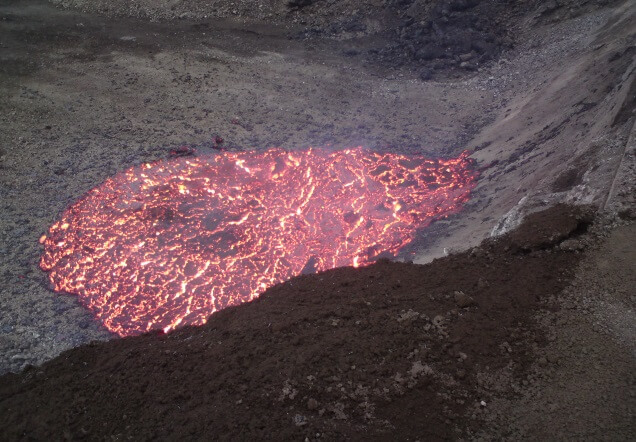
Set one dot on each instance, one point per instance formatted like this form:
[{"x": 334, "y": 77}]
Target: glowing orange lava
[{"x": 170, "y": 242}]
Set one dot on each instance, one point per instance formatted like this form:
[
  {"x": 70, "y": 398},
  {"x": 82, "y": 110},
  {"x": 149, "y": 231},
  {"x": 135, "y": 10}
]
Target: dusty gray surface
[{"x": 85, "y": 96}]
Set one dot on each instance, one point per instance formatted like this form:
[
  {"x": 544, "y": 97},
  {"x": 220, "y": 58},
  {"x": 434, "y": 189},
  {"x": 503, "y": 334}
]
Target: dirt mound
[
  {"x": 433, "y": 36},
  {"x": 548, "y": 228},
  {"x": 390, "y": 349},
  {"x": 430, "y": 34}
]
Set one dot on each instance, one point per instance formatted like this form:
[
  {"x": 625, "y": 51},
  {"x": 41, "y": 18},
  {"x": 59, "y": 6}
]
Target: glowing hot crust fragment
[{"x": 168, "y": 243}]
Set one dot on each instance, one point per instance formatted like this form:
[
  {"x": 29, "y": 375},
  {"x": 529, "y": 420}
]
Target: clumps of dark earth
[
  {"x": 392, "y": 350},
  {"x": 513, "y": 319}
]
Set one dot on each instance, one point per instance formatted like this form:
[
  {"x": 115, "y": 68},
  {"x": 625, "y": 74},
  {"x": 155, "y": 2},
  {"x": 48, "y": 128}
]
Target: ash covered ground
[{"x": 538, "y": 325}]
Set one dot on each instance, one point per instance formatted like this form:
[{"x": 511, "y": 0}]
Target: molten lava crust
[{"x": 170, "y": 242}]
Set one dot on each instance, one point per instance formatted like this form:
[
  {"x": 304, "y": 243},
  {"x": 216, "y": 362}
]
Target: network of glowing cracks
[{"x": 168, "y": 243}]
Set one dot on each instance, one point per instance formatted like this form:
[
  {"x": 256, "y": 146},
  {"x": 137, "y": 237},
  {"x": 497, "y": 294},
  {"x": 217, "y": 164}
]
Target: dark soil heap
[
  {"x": 390, "y": 350},
  {"x": 440, "y": 38}
]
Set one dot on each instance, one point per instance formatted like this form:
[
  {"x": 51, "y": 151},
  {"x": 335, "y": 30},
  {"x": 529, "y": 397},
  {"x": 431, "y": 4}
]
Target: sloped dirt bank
[
  {"x": 559, "y": 135},
  {"x": 440, "y": 39},
  {"x": 581, "y": 384},
  {"x": 391, "y": 349}
]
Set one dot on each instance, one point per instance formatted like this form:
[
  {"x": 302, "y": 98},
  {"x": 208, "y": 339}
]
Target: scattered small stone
[
  {"x": 482, "y": 284},
  {"x": 418, "y": 369},
  {"x": 182, "y": 151},
  {"x": 463, "y": 300},
  {"x": 406, "y": 316},
  {"x": 300, "y": 420},
  {"x": 399, "y": 379},
  {"x": 312, "y": 404},
  {"x": 426, "y": 74}
]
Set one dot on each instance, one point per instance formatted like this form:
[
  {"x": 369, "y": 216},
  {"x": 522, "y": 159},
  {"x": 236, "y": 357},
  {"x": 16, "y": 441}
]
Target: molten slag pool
[{"x": 168, "y": 243}]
